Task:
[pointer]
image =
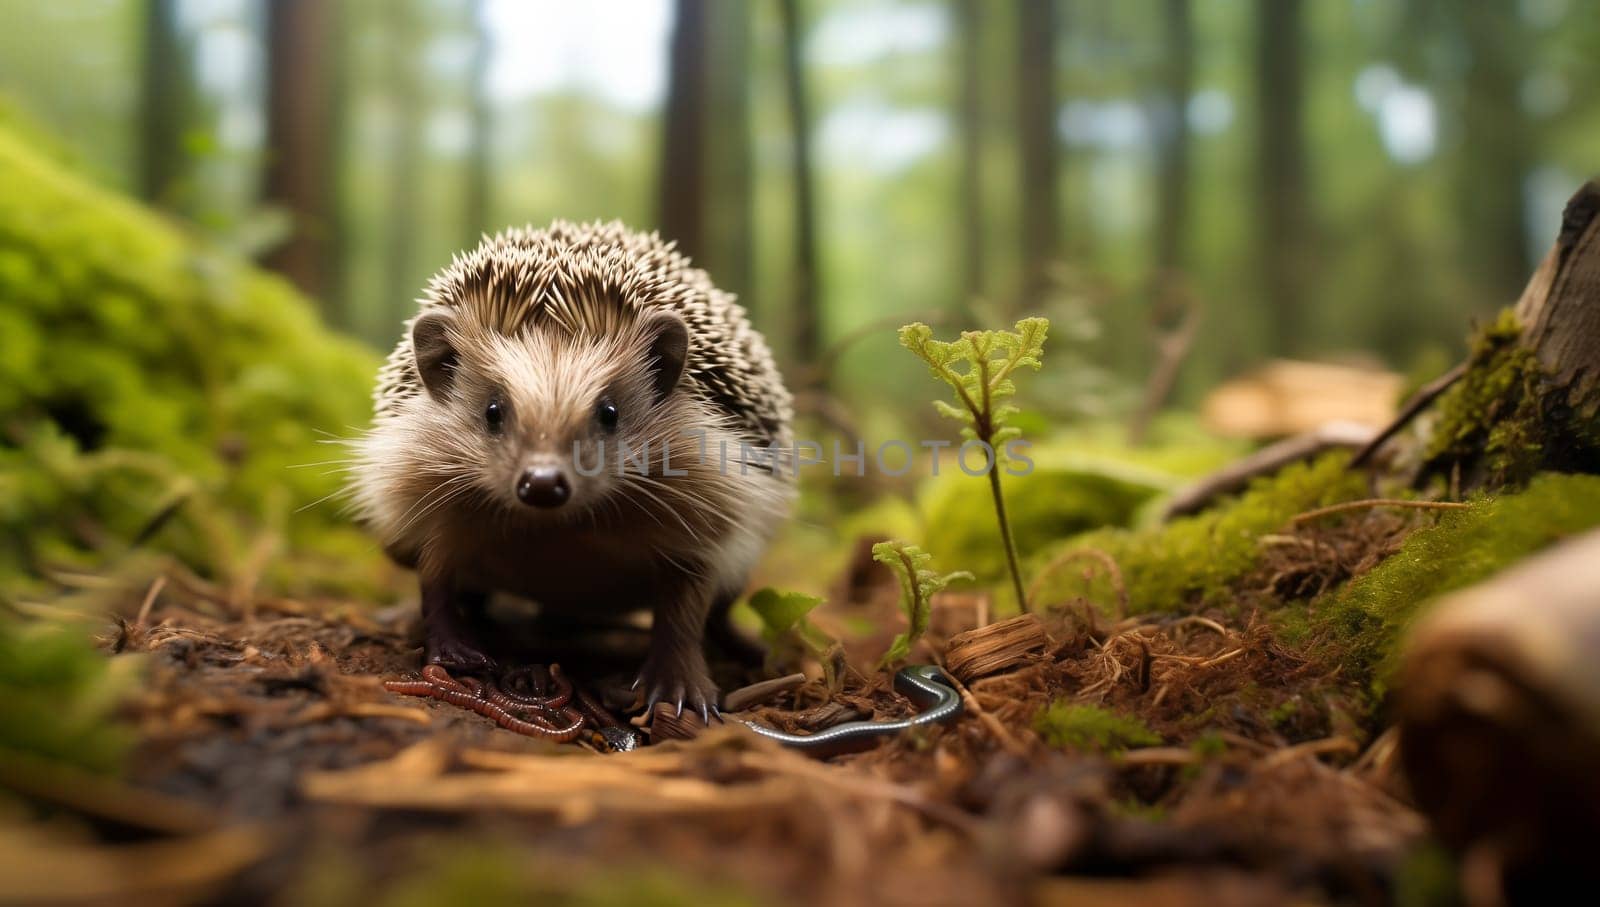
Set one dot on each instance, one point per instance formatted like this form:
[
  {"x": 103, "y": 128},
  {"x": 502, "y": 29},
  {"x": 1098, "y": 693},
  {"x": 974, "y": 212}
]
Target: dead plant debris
[{"x": 276, "y": 716}]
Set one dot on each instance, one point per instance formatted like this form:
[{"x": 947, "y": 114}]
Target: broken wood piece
[
  {"x": 669, "y": 722},
  {"x": 995, "y": 648},
  {"x": 761, "y": 692},
  {"x": 1499, "y": 709}
]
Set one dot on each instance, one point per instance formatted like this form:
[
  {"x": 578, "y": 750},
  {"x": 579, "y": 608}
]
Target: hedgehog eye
[
  {"x": 494, "y": 415},
  {"x": 605, "y": 412}
]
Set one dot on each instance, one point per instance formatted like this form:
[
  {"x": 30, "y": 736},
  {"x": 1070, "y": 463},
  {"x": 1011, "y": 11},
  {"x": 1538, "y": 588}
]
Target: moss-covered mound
[
  {"x": 1362, "y": 623},
  {"x": 143, "y": 374},
  {"x": 1195, "y": 562}
]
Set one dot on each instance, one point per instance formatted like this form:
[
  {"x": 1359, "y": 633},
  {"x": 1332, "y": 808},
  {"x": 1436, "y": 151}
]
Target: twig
[
  {"x": 103, "y": 798},
  {"x": 1311, "y": 748},
  {"x": 150, "y": 600},
  {"x": 1378, "y": 755},
  {"x": 1224, "y": 657},
  {"x": 757, "y": 693},
  {"x": 1239, "y": 740},
  {"x": 1172, "y": 348},
  {"x": 1267, "y": 461},
  {"x": 1419, "y": 401},
  {"x": 1159, "y": 755},
  {"x": 1310, "y": 515},
  {"x": 1011, "y": 744},
  {"x": 1206, "y": 622},
  {"x": 843, "y": 779}
]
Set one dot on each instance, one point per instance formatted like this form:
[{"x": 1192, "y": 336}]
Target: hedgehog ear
[
  {"x": 669, "y": 350},
  {"x": 436, "y": 358}
]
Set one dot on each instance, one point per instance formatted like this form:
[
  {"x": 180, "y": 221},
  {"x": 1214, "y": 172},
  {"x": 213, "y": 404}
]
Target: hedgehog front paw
[
  {"x": 679, "y": 685},
  {"x": 457, "y": 654}
]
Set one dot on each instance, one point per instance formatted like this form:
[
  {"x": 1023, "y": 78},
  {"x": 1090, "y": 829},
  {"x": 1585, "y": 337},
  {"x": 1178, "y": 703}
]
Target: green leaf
[
  {"x": 918, "y": 584},
  {"x": 978, "y": 367},
  {"x": 781, "y": 612}
]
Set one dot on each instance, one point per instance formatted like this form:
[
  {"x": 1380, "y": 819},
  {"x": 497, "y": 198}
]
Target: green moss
[
  {"x": 1428, "y": 877},
  {"x": 1209, "y": 745},
  {"x": 1047, "y": 504},
  {"x": 1500, "y": 422},
  {"x": 138, "y": 366},
  {"x": 1283, "y": 712},
  {"x": 1195, "y": 561},
  {"x": 1361, "y": 623},
  {"x": 59, "y": 696},
  {"x": 1089, "y": 727},
  {"x": 1133, "y": 808}
]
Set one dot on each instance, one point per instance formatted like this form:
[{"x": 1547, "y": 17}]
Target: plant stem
[{"x": 1005, "y": 536}]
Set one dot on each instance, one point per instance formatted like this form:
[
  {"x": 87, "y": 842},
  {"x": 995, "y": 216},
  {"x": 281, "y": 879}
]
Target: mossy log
[{"x": 1499, "y": 707}]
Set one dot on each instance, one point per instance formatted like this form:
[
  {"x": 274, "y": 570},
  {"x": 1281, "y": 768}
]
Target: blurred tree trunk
[
  {"x": 1172, "y": 148},
  {"x": 705, "y": 189},
  {"x": 480, "y": 152},
  {"x": 1036, "y": 141},
  {"x": 969, "y": 122},
  {"x": 1495, "y": 141},
  {"x": 807, "y": 316},
  {"x": 163, "y": 104},
  {"x": 683, "y": 177},
  {"x": 731, "y": 225},
  {"x": 1283, "y": 246},
  {"x": 407, "y": 101},
  {"x": 301, "y": 150}
]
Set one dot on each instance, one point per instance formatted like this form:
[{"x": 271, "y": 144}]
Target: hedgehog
[{"x": 577, "y": 416}]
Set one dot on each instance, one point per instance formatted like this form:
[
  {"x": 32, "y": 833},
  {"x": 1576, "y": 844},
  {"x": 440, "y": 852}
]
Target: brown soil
[{"x": 278, "y": 762}]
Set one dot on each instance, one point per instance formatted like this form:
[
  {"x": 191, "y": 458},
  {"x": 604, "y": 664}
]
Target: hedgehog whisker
[
  {"x": 441, "y": 491},
  {"x": 642, "y": 487}
]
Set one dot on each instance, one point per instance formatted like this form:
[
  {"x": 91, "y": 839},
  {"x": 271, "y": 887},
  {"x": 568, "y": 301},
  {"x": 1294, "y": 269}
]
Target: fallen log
[{"x": 1499, "y": 710}]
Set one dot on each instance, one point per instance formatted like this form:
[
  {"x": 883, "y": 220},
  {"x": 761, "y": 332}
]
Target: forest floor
[{"x": 1188, "y": 758}]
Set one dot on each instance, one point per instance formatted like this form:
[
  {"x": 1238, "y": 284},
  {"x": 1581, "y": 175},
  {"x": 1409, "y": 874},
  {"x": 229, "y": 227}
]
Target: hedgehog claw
[
  {"x": 697, "y": 694},
  {"x": 459, "y": 656}
]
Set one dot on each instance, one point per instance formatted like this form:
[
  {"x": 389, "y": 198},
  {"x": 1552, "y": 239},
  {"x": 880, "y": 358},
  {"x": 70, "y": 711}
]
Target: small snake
[{"x": 925, "y": 685}]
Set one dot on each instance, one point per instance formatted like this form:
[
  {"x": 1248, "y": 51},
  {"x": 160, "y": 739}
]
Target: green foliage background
[{"x": 140, "y": 369}]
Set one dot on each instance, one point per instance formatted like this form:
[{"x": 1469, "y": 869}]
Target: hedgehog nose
[{"x": 543, "y": 486}]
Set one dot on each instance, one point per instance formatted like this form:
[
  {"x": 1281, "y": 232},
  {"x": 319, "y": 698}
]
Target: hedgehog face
[{"x": 550, "y": 420}]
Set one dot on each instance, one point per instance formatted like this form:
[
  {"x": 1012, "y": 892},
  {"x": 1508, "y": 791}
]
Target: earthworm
[
  {"x": 488, "y": 701},
  {"x": 556, "y": 700},
  {"x": 595, "y": 710}
]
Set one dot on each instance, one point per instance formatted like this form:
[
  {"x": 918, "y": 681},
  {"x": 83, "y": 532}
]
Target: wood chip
[{"x": 995, "y": 648}]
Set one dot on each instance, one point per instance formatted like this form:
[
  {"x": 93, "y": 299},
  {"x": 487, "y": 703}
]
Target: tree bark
[
  {"x": 807, "y": 324},
  {"x": 1037, "y": 145},
  {"x": 164, "y": 102},
  {"x": 1283, "y": 208},
  {"x": 683, "y": 178},
  {"x": 969, "y": 124},
  {"x": 1560, "y": 308},
  {"x": 299, "y": 174}
]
